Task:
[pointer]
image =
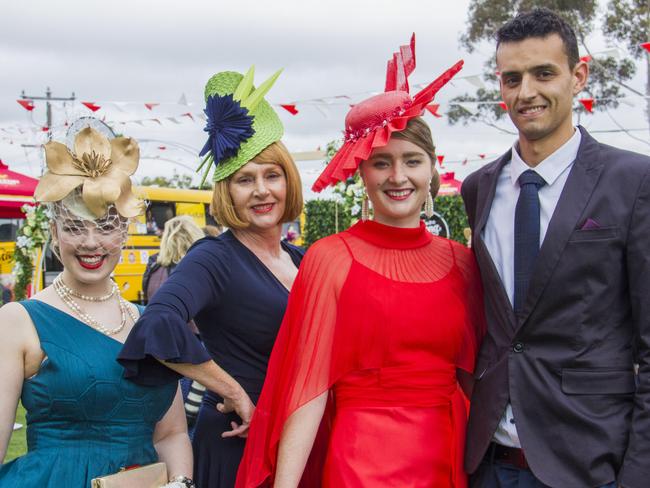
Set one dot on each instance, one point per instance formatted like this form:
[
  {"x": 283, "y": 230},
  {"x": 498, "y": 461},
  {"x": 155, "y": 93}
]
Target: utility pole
[{"x": 48, "y": 98}]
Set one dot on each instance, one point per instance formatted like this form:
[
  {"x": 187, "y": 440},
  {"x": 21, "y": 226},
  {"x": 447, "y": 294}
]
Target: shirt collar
[{"x": 551, "y": 167}]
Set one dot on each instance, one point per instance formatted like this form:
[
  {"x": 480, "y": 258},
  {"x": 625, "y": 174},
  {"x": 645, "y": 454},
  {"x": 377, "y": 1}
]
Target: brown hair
[
  {"x": 212, "y": 230},
  {"x": 222, "y": 207},
  {"x": 418, "y": 132}
]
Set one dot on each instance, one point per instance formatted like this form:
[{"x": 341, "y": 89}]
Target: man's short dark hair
[{"x": 540, "y": 22}]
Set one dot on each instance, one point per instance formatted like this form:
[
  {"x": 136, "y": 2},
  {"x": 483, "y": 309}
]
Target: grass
[{"x": 17, "y": 444}]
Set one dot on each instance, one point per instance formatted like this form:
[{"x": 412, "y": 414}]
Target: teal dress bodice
[{"x": 83, "y": 419}]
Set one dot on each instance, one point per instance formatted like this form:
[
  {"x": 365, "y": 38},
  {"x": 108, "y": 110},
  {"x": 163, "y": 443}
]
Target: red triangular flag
[
  {"x": 162, "y": 148},
  {"x": 291, "y": 108},
  {"x": 503, "y": 106},
  {"x": 587, "y": 103},
  {"x": 482, "y": 156},
  {"x": 26, "y": 104},
  {"x": 91, "y": 106},
  {"x": 440, "y": 158},
  {"x": 45, "y": 129},
  {"x": 150, "y": 106},
  {"x": 586, "y": 58},
  {"x": 646, "y": 46},
  {"x": 433, "y": 108}
]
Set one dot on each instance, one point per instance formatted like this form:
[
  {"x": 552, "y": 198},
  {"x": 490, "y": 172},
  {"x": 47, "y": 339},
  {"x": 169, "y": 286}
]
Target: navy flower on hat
[
  {"x": 229, "y": 126},
  {"x": 240, "y": 123}
]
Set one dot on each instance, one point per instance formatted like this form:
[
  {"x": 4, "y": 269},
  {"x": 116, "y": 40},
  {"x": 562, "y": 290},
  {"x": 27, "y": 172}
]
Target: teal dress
[{"x": 83, "y": 419}]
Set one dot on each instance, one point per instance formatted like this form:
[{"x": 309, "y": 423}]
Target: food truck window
[
  {"x": 8, "y": 229},
  {"x": 157, "y": 214}
]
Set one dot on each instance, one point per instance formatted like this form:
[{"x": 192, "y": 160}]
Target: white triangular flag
[
  {"x": 119, "y": 106},
  {"x": 469, "y": 108},
  {"x": 475, "y": 80},
  {"x": 614, "y": 53},
  {"x": 322, "y": 108}
]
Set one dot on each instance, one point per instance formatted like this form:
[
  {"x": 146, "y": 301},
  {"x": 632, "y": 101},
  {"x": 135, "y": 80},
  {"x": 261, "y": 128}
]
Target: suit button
[{"x": 518, "y": 347}]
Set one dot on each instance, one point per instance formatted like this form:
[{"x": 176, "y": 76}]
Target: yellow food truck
[{"x": 143, "y": 240}]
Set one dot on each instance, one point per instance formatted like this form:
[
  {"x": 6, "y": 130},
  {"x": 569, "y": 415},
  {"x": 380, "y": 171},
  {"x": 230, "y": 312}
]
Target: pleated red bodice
[{"x": 382, "y": 317}]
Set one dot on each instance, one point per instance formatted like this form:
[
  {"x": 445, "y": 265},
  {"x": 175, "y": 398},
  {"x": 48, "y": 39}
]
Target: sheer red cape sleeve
[
  {"x": 314, "y": 349},
  {"x": 302, "y": 365},
  {"x": 473, "y": 332}
]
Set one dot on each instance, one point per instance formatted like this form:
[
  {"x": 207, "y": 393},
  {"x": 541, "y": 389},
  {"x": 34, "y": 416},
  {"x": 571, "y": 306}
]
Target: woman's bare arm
[
  {"x": 172, "y": 442},
  {"x": 214, "y": 378},
  {"x": 297, "y": 441},
  {"x": 19, "y": 338}
]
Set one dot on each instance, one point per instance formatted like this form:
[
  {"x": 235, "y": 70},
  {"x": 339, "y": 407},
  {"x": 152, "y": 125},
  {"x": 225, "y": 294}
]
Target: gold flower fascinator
[{"x": 102, "y": 168}]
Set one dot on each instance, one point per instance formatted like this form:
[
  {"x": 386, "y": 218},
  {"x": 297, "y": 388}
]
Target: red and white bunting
[
  {"x": 588, "y": 104},
  {"x": 26, "y": 104},
  {"x": 91, "y": 106},
  {"x": 290, "y": 107}
]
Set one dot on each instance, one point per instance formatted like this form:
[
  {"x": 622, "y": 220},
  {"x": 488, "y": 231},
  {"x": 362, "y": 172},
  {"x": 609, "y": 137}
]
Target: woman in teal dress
[{"x": 58, "y": 349}]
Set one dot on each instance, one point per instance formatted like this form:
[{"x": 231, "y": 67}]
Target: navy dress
[{"x": 238, "y": 305}]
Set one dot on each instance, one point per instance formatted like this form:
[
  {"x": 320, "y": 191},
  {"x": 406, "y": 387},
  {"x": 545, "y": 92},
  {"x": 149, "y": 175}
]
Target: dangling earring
[
  {"x": 428, "y": 204},
  {"x": 365, "y": 207}
]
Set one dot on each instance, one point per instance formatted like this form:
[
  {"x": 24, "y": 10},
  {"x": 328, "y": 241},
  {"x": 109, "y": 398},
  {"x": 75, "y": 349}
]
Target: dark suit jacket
[{"x": 566, "y": 364}]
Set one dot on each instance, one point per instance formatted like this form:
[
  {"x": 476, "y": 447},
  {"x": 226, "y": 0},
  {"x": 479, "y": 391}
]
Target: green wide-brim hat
[{"x": 266, "y": 124}]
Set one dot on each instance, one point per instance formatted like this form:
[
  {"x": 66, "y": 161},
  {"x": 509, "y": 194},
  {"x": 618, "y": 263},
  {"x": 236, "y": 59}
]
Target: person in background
[
  {"x": 5, "y": 294},
  {"x": 59, "y": 349},
  {"x": 178, "y": 235},
  {"x": 561, "y": 232},
  {"x": 234, "y": 286},
  {"x": 212, "y": 230}
]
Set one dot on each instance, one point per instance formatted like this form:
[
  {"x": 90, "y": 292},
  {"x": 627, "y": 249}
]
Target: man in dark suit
[{"x": 561, "y": 233}]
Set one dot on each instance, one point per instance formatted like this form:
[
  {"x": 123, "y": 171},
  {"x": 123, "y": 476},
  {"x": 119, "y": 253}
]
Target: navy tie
[{"x": 526, "y": 234}]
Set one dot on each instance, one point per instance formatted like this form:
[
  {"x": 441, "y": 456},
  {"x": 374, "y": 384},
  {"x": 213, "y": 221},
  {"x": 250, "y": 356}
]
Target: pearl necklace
[
  {"x": 65, "y": 294},
  {"x": 87, "y": 298}
]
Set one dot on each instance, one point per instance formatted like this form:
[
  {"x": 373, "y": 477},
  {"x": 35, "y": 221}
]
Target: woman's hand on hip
[{"x": 242, "y": 405}]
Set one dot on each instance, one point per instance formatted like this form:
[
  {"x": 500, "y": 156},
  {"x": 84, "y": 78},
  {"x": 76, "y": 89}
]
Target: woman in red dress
[{"x": 382, "y": 325}]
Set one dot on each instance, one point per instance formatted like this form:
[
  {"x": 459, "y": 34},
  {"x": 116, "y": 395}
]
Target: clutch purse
[{"x": 150, "y": 476}]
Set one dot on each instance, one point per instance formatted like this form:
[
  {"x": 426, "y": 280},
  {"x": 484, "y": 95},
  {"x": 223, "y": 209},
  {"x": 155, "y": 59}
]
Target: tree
[
  {"x": 608, "y": 75},
  {"x": 629, "y": 21}
]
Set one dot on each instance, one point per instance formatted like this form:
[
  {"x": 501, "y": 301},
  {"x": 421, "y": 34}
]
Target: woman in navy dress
[{"x": 234, "y": 286}]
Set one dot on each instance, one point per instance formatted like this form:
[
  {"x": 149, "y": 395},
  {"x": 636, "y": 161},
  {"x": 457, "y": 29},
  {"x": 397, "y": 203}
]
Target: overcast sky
[{"x": 155, "y": 51}]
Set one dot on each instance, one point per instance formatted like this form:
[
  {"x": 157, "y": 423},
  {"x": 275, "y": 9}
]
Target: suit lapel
[
  {"x": 574, "y": 197},
  {"x": 486, "y": 189},
  {"x": 494, "y": 286}
]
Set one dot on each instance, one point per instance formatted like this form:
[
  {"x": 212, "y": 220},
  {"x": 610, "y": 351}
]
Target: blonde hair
[
  {"x": 222, "y": 207},
  {"x": 179, "y": 234}
]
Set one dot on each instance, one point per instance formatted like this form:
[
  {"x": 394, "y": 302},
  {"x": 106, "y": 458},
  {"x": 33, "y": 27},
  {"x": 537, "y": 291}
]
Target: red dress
[{"x": 381, "y": 317}]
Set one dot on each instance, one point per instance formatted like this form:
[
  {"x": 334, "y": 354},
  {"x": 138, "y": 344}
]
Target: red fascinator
[{"x": 369, "y": 124}]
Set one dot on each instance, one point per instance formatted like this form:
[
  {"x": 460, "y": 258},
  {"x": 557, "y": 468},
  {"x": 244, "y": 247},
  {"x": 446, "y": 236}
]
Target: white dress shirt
[{"x": 499, "y": 231}]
